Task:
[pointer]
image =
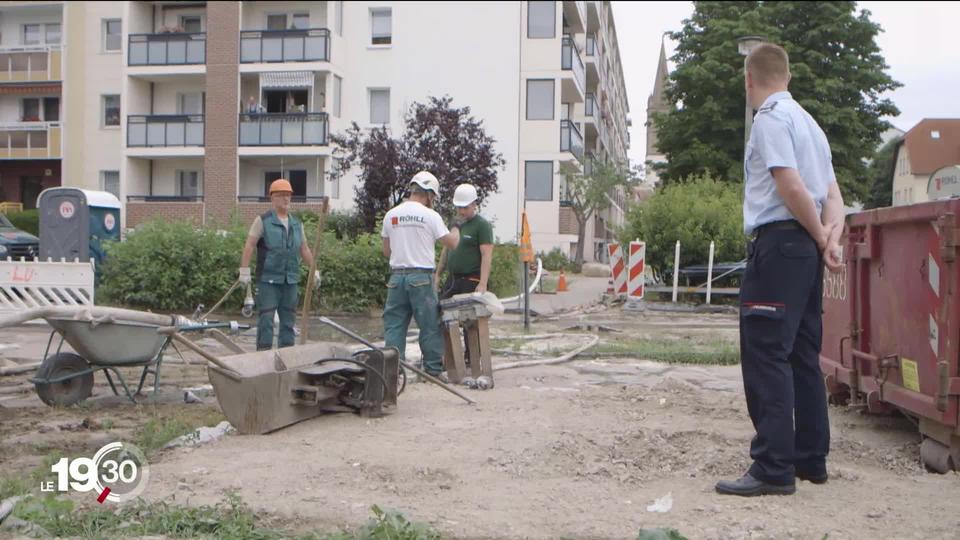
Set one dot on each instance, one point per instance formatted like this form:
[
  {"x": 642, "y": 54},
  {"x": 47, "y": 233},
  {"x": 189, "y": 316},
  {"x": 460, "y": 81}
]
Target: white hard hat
[
  {"x": 427, "y": 181},
  {"x": 464, "y": 195}
]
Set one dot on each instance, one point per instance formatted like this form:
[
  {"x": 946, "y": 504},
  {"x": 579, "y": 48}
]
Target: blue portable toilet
[{"x": 74, "y": 223}]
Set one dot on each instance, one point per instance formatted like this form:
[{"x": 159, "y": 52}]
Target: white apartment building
[{"x": 187, "y": 110}]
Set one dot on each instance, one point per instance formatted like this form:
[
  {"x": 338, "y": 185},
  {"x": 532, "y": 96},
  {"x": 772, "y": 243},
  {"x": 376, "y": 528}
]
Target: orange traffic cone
[{"x": 562, "y": 283}]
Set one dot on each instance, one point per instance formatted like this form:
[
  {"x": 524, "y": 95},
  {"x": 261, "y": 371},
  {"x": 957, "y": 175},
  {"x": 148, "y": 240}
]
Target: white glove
[
  {"x": 316, "y": 279},
  {"x": 245, "y": 275}
]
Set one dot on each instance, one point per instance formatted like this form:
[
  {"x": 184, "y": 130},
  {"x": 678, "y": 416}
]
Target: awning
[
  {"x": 286, "y": 79},
  {"x": 26, "y": 89}
]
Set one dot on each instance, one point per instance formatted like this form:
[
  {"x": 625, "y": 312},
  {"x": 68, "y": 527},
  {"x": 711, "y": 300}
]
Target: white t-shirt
[{"x": 413, "y": 230}]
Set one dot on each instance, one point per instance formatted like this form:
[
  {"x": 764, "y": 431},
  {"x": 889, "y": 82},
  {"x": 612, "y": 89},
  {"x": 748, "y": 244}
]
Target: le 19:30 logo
[{"x": 118, "y": 472}]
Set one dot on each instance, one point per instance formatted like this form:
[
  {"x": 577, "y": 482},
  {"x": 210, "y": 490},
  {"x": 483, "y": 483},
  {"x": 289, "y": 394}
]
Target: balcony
[
  {"x": 271, "y": 46},
  {"x": 293, "y": 199},
  {"x": 570, "y": 60},
  {"x": 31, "y": 64},
  {"x": 166, "y": 130},
  {"x": 169, "y": 49},
  {"x": 284, "y": 129},
  {"x": 165, "y": 198},
  {"x": 30, "y": 140},
  {"x": 575, "y": 15},
  {"x": 571, "y": 140}
]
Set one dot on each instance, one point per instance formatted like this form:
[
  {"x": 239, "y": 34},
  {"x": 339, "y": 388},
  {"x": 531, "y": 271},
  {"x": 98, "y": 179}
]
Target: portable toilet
[{"x": 74, "y": 223}]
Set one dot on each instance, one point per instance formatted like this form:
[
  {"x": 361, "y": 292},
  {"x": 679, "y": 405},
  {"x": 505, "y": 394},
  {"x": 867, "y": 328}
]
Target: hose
[
  {"x": 550, "y": 361},
  {"x": 232, "y": 288}
]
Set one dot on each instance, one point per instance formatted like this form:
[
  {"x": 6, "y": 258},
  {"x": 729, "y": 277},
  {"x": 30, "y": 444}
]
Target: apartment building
[
  {"x": 187, "y": 110},
  {"x": 930, "y": 145}
]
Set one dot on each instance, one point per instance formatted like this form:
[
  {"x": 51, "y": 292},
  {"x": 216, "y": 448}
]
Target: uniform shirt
[
  {"x": 256, "y": 230},
  {"x": 413, "y": 230},
  {"x": 466, "y": 259},
  {"x": 783, "y": 135}
]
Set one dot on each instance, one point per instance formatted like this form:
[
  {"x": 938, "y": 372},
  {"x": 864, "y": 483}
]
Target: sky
[{"x": 915, "y": 41}]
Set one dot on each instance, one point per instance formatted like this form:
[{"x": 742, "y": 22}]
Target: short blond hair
[{"x": 769, "y": 64}]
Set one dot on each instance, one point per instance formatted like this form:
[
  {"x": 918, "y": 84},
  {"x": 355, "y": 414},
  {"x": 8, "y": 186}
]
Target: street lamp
[{"x": 745, "y": 45}]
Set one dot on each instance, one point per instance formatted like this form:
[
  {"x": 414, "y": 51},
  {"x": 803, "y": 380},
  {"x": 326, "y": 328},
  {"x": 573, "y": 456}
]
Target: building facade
[
  {"x": 187, "y": 110},
  {"x": 928, "y": 146}
]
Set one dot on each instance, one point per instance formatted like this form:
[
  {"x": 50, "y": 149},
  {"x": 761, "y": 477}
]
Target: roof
[
  {"x": 927, "y": 153},
  {"x": 95, "y": 199},
  {"x": 286, "y": 79}
]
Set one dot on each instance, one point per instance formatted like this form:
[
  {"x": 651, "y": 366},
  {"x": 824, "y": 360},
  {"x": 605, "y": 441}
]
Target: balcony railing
[
  {"x": 30, "y": 63},
  {"x": 284, "y": 129},
  {"x": 173, "y": 49},
  {"x": 30, "y": 140},
  {"x": 307, "y": 45},
  {"x": 590, "y": 106},
  {"x": 165, "y": 130},
  {"x": 571, "y": 140},
  {"x": 295, "y": 198},
  {"x": 164, "y": 198},
  {"x": 570, "y": 60}
]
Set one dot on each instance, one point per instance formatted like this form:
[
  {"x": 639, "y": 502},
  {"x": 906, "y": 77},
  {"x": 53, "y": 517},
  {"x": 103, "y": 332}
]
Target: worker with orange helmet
[{"x": 281, "y": 244}]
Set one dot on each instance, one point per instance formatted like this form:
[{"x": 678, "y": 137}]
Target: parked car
[{"x": 15, "y": 243}]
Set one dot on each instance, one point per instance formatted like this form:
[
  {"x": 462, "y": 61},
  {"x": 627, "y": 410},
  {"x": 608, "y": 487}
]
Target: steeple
[{"x": 657, "y": 102}]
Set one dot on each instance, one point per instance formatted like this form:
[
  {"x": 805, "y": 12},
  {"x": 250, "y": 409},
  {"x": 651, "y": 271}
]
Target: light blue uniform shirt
[{"x": 783, "y": 135}]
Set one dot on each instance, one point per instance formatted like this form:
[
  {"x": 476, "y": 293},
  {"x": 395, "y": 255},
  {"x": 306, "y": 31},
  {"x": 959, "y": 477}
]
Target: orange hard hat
[{"x": 280, "y": 186}]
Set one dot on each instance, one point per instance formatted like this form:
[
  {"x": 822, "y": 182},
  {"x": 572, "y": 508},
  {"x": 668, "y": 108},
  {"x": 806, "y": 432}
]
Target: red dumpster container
[{"x": 892, "y": 319}]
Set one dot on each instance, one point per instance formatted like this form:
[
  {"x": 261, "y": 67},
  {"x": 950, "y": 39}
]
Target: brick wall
[
  {"x": 140, "y": 212},
  {"x": 11, "y": 172},
  {"x": 223, "y": 80},
  {"x": 249, "y": 211},
  {"x": 568, "y": 221}
]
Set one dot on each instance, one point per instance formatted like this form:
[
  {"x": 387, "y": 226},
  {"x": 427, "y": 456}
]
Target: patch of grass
[
  {"x": 511, "y": 344},
  {"x": 164, "y": 427},
  {"x": 384, "y": 525},
  {"x": 674, "y": 352},
  {"x": 660, "y": 534}
]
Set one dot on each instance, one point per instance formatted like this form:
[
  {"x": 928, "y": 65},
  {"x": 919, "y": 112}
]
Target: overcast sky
[{"x": 916, "y": 43}]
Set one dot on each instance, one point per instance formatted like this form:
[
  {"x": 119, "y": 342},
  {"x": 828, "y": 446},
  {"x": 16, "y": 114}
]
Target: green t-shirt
[{"x": 466, "y": 258}]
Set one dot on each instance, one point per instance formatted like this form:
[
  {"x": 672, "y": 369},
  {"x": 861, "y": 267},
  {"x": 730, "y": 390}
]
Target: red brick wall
[
  {"x": 140, "y": 212},
  {"x": 13, "y": 169},
  {"x": 568, "y": 221},
  {"x": 249, "y": 211},
  {"x": 223, "y": 79}
]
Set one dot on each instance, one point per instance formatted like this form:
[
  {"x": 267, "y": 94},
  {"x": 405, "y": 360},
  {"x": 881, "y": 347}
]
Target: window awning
[
  {"x": 25, "y": 89},
  {"x": 286, "y": 79}
]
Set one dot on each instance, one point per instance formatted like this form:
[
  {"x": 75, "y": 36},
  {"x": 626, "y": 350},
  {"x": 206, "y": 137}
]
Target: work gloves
[{"x": 245, "y": 275}]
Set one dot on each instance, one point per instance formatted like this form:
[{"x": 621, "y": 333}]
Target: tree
[
  {"x": 838, "y": 75},
  {"x": 880, "y": 175},
  {"x": 442, "y": 139},
  {"x": 591, "y": 193}
]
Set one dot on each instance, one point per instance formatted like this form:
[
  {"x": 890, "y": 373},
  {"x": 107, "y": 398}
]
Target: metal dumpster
[{"x": 892, "y": 319}]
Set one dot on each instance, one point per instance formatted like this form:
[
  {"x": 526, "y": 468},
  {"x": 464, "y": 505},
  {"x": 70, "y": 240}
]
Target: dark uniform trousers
[{"x": 781, "y": 333}]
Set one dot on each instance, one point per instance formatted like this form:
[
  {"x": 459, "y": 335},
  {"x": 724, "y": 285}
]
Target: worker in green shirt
[{"x": 469, "y": 263}]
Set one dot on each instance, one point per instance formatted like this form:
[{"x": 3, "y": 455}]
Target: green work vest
[{"x": 278, "y": 251}]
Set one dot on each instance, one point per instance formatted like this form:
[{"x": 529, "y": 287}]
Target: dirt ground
[{"x": 575, "y": 450}]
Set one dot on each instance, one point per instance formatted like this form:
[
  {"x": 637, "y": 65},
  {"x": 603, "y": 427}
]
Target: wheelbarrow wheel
[{"x": 70, "y": 391}]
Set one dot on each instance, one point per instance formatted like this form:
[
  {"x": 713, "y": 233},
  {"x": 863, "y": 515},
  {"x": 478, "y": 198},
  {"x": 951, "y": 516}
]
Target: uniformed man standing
[
  {"x": 280, "y": 243},
  {"x": 410, "y": 232},
  {"x": 469, "y": 264},
  {"x": 794, "y": 211}
]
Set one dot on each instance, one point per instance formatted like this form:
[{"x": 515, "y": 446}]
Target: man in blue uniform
[{"x": 794, "y": 212}]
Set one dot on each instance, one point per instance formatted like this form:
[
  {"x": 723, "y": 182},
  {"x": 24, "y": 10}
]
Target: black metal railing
[
  {"x": 571, "y": 140},
  {"x": 570, "y": 60},
  {"x": 165, "y": 130},
  {"x": 170, "y": 49},
  {"x": 164, "y": 198},
  {"x": 295, "y": 198},
  {"x": 284, "y": 129},
  {"x": 306, "y": 45}
]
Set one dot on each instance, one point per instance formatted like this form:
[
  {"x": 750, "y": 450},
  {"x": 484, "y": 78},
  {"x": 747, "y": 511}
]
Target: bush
[
  {"x": 555, "y": 260},
  {"x": 505, "y": 271},
  {"x": 27, "y": 221},
  {"x": 694, "y": 212},
  {"x": 354, "y": 273},
  {"x": 346, "y": 225}
]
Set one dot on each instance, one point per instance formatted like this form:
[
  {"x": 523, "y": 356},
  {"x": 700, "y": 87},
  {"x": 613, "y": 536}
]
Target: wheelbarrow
[{"x": 104, "y": 339}]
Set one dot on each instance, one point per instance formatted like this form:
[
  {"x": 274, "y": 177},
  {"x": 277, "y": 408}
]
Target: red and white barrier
[
  {"x": 618, "y": 269},
  {"x": 638, "y": 253}
]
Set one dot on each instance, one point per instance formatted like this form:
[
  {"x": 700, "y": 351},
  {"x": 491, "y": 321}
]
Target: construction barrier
[
  {"x": 617, "y": 269},
  {"x": 35, "y": 284},
  {"x": 638, "y": 253}
]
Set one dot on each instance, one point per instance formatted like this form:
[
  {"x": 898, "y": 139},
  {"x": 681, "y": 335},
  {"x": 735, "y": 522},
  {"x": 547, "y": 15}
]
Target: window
[
  {"x": 935, "y": 134},
  {"x": 191, "y": 24},
  {"x": 191, "y": 103},
  {"x": 51, "y": 109},
  {"x": 31, "y": 34},
  {"x": 538, "y": 178},
  {"x": 111, "y": 110},
  {"x": 297, "y": 178},
  {"x": 541, "y": 20},
  {"x": 381, "y": 26},
  {"x": 337, "y": 92},
  {"x": 112, "y": 34},
  {"x": 339, "y": 19},
  {"x": 110, "y": 182},
  {"x": 380, "y": 106},
  {"x": 277, "y": 22},
  {"x": 301, "y": 21},
  {"x": 52, "y": 36},
  {"x": 540, "y": 99},
  {"x": 31, "y": 110},
  {"x": 188, "y": 184}
]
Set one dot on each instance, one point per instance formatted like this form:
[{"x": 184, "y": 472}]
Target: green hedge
[{"x": 27, "y": 221}]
